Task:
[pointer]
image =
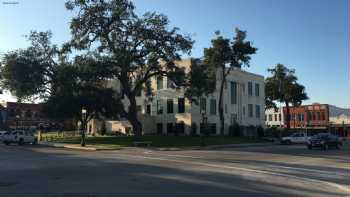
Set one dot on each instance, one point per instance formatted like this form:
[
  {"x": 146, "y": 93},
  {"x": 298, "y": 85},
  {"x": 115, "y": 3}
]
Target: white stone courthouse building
[{"x": 169, "y": 112}]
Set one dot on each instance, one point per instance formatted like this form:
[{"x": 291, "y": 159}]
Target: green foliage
[
  {"x": 282, "y": 86},
  {"x": 27, "y": 72},
  {"x": 201, "y": 80}
]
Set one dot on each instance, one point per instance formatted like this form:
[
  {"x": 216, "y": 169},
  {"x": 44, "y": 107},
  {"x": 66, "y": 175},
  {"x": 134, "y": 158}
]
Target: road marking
[
  {"x": 171, "y": 155},
  {"x": 340, "y": 187}
]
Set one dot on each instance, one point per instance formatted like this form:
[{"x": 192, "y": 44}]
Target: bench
[{"x": 145, "y": 143}]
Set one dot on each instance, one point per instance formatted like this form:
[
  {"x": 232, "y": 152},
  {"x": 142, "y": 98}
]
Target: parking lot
[{"x": 251, "y": 171}]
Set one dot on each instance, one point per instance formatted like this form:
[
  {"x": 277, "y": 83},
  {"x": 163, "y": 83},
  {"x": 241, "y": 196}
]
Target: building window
[
  {"x": 323, "y": 116},
  {"x": 257, "y": 111},
  {"x": 257, "y": 89},
  {"x": 233, "y": 92},
  {"x": 203, "y": 105},
  {"x": 138, "y": 108},
  {"x": 243, "y": 110},
  {"x": 225, "y": 108},
  {"x": 170, "y": 106},
  {"x": 148, "y": 109},
  {"x": 159, "y": 107},
  {"x": 169, "y": 128},
  {"x": 233, "y": 118},
  {"x": 181, "y": 105},
  {"x": 318, "y": 116},
  {"x": 280, "y": 117},
  {"x": 159, "y": 128},
  {"x": 250, "y": 89},
  {"x": 212, "y": 106},
  {"x": 275, "y": 117},
  {"x": 270, "y": 117},
  {"x": 250, "y": 110},
  {"x": 159, "y": 82}
]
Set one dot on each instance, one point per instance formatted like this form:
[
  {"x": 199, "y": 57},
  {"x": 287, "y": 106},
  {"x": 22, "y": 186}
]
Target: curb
[
  {"x": 69, "y": 146},
  {"x": 51, "y": 144}
]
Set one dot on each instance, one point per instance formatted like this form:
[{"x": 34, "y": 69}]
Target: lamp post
[{"x": 83, "y": 118}]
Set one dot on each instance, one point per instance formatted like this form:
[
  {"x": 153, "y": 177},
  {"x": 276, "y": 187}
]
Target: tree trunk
[
  {"x": 287, "y": 115},
  {"x": 132, "y": 117},
  {"x": 221, "y": 109}
]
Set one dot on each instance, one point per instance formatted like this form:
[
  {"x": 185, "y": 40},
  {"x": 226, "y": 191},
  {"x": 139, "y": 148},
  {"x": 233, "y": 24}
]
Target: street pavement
[{"x": 38, "y": 171}]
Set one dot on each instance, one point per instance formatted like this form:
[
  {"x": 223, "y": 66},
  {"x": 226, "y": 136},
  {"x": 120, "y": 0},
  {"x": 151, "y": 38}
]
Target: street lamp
[
  {"x": 83, "y": 119},
  {"x": 17, "y": 119}
]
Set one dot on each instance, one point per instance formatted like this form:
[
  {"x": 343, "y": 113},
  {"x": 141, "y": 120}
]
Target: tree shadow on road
[{"x": 59, "y": 173}]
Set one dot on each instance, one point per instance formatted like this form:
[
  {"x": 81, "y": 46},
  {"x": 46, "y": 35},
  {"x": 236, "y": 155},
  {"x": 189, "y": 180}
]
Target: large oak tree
[{"x": 135, "y": 48}]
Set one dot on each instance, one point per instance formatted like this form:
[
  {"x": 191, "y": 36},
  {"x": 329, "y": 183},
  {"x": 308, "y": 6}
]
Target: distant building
[
  {"x": 23, "y": 115},
  {"x": 339, "y": 120},
  {"x": 314, "y": 118},
  {"x": 274, "y": 118}
]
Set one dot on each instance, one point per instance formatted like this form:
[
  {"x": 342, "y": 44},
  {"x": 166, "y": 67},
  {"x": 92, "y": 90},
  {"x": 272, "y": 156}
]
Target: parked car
[
  {"x": 19, "y": 137},
  {"x": 324, "y": 141},
  {"x": 296, "y": 138},
  {"x": 1, "y": 134}
]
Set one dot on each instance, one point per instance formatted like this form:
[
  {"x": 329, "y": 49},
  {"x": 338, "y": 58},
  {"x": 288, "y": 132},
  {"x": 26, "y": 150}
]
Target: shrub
[
  {"x": 235, "y": 130},
  {"x": 260, "y": 131},
  {"x": 103, "y": 129},
  {"x": 193, "y": 129}
]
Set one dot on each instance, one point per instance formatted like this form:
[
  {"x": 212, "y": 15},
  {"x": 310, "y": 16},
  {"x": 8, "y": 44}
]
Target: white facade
[
  {"x": 243, "y": 100},
  {"x": 274, "y": 117},
  {"x": 169, "y": 112}
]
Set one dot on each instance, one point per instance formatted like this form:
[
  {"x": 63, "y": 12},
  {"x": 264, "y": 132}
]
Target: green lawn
[{"x": 157, "y": 141}]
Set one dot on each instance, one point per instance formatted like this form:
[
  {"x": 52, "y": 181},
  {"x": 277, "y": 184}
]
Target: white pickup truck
[
  {"x": 19, "y": 137},
  {"x": 296, "y": 138}
]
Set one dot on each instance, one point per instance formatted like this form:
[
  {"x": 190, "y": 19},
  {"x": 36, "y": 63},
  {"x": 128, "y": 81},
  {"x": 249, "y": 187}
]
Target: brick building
[
  {"x": 24, "y": 115},
  {"x": 319, "y": 118},
  {"x": 315, "y": 116}
]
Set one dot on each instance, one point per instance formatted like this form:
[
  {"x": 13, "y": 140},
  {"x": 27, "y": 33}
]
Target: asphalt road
[{"x": 28, "y": 171}]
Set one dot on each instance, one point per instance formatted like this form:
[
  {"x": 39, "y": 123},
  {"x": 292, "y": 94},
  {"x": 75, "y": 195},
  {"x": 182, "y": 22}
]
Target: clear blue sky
[{"x": 310, "y": 36}]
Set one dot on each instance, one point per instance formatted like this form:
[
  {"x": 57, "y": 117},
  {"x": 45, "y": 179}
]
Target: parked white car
[
  {"x": 19, "y": 137},
  {"x": 1, "y": 134},
  {"x": 296, "y": 138}
]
